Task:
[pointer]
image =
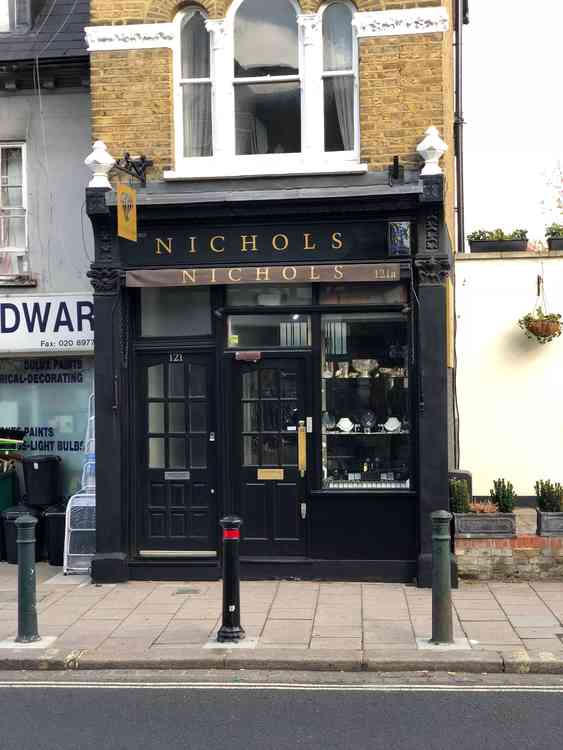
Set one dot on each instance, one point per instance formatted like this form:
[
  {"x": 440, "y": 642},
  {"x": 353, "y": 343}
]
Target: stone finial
[
  {"x": 100, "y": 161},
  {"x": 431, "y": 149}
]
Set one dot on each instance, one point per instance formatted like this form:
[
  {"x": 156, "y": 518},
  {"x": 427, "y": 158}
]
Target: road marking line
[{"x": 284, "y": 686}]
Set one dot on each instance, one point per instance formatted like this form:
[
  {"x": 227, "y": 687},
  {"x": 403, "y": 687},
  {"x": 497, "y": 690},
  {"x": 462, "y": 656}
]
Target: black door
[
  {"x": 270, "y": 490},
  {"x": 176, "y": 512}
]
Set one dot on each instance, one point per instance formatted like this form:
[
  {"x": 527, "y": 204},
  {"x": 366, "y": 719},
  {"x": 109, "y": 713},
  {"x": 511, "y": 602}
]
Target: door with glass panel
[
  {"x": 270, "y": 466},
  {"x": 176, "y": 499}
]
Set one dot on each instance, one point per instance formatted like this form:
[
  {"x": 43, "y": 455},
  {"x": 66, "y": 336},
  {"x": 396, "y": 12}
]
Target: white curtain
[
  {"x": 338, "y": 50},
  {"x": 344, "y": 98},
  {"x": 196, "y": 96}
]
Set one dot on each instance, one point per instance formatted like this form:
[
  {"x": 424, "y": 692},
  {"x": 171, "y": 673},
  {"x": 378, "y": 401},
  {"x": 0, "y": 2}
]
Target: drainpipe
[{"x": 461, "y": 17}]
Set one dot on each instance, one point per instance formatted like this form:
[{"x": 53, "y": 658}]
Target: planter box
[
  {"x": 485, "y": 525},
  {"x": 498, "y": 246},
  {"x": 555, "y": 243},
  {"x": 550, "y": 524}
]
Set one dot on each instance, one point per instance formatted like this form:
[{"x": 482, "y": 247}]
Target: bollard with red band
[{"x": 230, "y": 629}]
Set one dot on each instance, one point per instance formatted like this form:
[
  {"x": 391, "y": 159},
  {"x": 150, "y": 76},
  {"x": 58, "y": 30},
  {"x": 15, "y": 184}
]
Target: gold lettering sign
[
  {"x": 270, "y": 474},
  {"x": 378, "y": 272},
  {"x": 207, "y": 244}
]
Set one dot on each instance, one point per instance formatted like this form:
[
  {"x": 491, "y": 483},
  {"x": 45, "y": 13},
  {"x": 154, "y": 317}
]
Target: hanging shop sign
[
  {"x": 343, "y": 241},
  {"x": 127, "y": 212},
  {"x": 265, "y": 274},
  {"x": 47, "y": 323}
]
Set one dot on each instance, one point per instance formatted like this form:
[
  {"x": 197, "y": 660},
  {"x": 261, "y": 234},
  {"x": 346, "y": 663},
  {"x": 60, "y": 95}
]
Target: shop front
[
  {"x": 282, "y": 358},
  {"x": 47, "y": 376}
]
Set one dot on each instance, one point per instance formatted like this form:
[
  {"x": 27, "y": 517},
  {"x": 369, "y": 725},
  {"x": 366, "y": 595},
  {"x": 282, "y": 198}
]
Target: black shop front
[{"x": 279, "y": 354}]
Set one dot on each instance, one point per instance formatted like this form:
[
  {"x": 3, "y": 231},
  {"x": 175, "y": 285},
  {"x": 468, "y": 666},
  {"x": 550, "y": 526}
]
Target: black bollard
[
  {"x": 442, "y": 626},
  {"x": 27, "y": 609},
  {"x": 230, "y": 629}
]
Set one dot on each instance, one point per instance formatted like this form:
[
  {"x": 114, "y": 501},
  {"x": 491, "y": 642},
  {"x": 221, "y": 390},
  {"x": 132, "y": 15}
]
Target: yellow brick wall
[
  {"x": 406, "y": 84},
  {"x": 153, "y": 11}
]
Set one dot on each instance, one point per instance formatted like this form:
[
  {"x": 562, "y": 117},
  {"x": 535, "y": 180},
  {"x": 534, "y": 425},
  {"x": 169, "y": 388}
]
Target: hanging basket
[
  {"x": 541, "y": 327},
  {"x": 544, "y": 328}
]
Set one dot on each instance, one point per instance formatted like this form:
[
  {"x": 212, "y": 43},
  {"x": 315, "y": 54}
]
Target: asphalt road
[{"x": 95, "y": 711}]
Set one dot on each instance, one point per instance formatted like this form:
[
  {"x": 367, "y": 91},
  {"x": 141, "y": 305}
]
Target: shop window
[
  {"x": 13, "y": 243},
  {"x": 363, "y": 294},
  {"x": 48, "y": 397},
  {"x": 267, "y": 90},
  {"x": 268, "y": 295},
  {"x": 269, "y": 331},
  {"x": 175, "y": 311},
  {"x": 339, "y": 78},
  {"x": 366, "y": 433}
]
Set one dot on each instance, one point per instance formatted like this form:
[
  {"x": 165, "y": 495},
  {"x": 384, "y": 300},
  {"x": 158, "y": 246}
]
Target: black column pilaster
[
  {"x": 110, "y": 562},
  {"x": 432, "y": 267}
]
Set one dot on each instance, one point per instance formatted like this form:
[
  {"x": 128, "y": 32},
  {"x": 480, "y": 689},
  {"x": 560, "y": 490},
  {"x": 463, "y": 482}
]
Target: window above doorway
[{"x": 267, "y": 90}]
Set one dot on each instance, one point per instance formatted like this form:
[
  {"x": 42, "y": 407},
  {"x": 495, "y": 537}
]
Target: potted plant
[
  {"x": 459, "y": 496},
  {"x": 550, "y": 508},
  {"x": 554, "y": 234},
  {"x": 489, "y": 519},
  {"x": 484, "y": 240},
  {"x": 542, "y": 327}
]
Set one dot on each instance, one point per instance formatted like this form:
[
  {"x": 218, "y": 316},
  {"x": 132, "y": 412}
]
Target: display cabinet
[{"x": 365, "y": 421}]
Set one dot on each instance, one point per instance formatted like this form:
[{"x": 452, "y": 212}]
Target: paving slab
[{"x": 491, "y": 632}]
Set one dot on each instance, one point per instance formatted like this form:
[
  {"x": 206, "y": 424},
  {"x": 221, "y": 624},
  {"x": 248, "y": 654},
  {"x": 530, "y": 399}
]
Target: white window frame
[
  {"x": 353, "y": 154},
  {"x": 10, "y": 6},
  {"x": 22, "y": 251},
  {"x": 225, "y": 162},
  {"x": 178, "y": 91}
]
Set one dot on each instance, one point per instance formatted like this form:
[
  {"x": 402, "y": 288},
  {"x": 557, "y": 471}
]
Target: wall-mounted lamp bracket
[{"x": 134, "y": 166}]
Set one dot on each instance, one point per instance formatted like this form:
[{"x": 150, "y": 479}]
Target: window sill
[
  {"x": 17, "y": 281},
  {"x": 202, "y": 168}
]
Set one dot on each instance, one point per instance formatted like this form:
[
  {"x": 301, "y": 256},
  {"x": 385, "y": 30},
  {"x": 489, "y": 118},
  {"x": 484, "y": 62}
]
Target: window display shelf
[
  {"x": 337, "y": 484},
  {"x": 365, "y": 434}
]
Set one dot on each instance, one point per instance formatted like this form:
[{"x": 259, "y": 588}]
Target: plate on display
[
  {"x": 392, "y": 425},
  {"x": 345, "y": 424}
]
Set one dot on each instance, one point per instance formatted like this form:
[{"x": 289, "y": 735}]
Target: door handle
[{"x": 302, "y": 448}]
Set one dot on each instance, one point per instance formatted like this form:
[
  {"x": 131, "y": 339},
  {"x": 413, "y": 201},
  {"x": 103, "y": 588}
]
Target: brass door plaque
[{"x": 270, "y": 474}]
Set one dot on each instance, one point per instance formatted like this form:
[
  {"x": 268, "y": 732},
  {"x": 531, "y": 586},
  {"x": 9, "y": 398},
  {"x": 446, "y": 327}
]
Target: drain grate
[{"x": 185, "y": 590}]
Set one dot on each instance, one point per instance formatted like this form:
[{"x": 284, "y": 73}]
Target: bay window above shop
[{"x": 267, "y": 90}]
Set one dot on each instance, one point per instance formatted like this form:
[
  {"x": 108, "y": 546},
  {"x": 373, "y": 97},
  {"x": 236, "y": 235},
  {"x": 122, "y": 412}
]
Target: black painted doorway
[
  {"x": 176, "y": 502},
  {"x": 270, "y": 400}
]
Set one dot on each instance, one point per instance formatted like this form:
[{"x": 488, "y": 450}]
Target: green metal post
[
  {"x": 442, "y": 626},
  {"x": 27, "y": 610}
]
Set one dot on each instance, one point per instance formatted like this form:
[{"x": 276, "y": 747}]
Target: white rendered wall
[{"x": 510, "y": 389}]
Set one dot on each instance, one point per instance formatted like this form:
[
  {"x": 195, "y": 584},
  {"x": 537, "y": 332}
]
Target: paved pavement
[{"x": 498, "y": 626}]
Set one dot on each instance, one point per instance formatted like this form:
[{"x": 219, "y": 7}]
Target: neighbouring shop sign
[
  {"x": 47, "y": 323},
  {"x": 265, "y": 274}
]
